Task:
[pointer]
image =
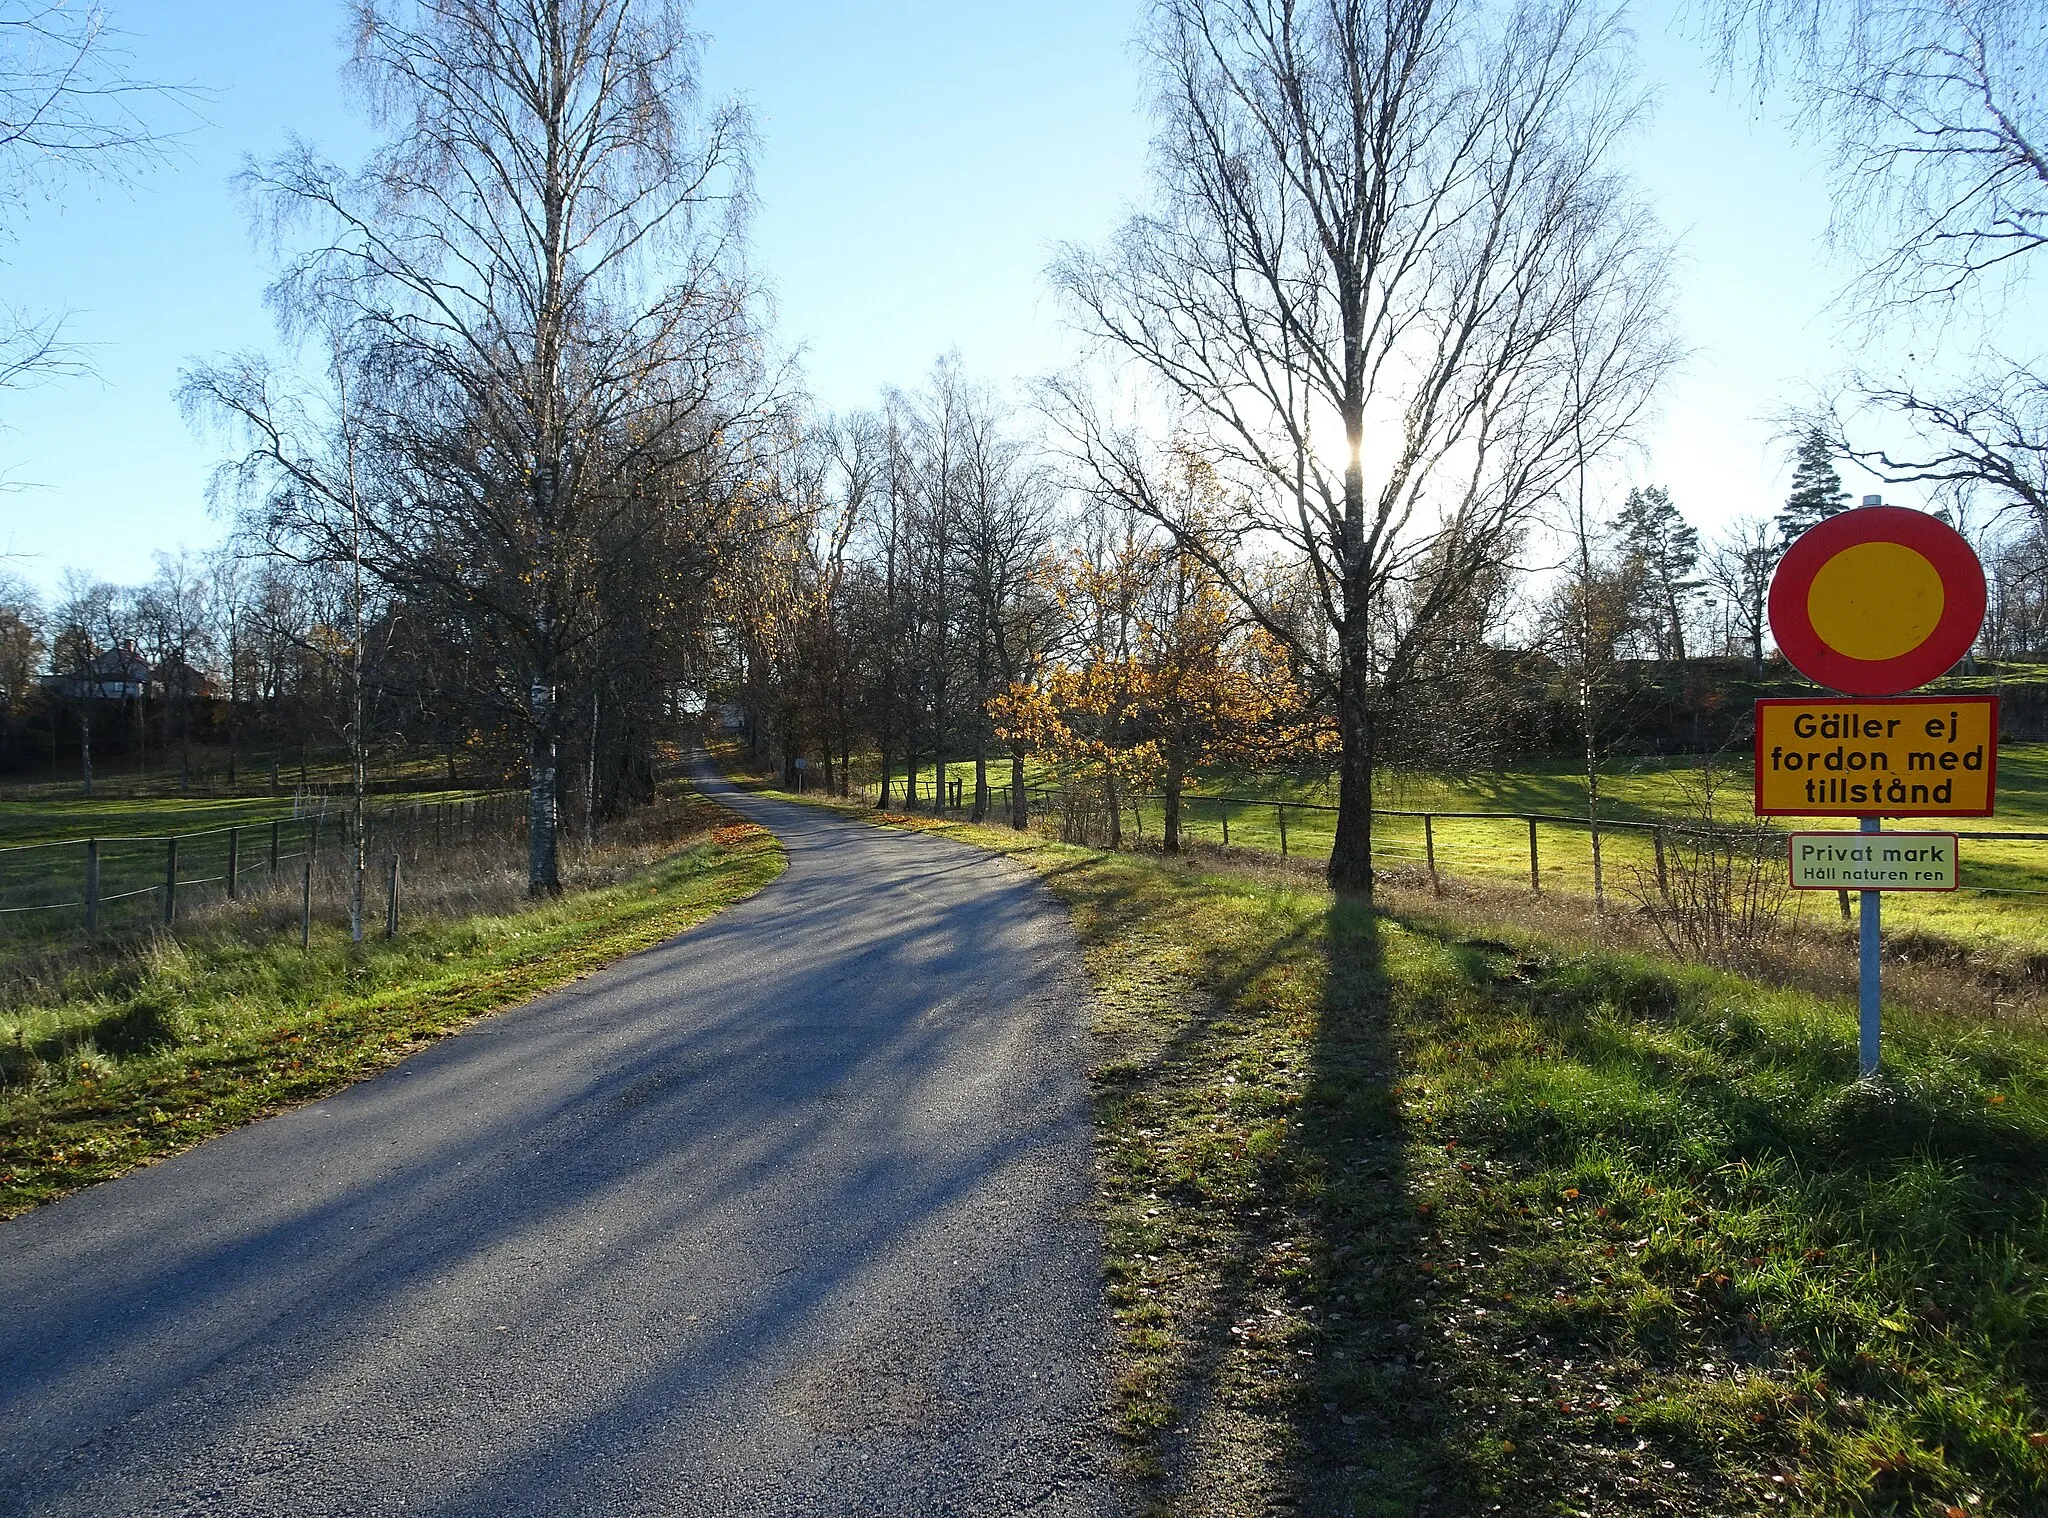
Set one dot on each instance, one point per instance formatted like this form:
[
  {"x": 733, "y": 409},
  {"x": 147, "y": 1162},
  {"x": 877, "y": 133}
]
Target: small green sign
[{"x": 1874, "y": 861}]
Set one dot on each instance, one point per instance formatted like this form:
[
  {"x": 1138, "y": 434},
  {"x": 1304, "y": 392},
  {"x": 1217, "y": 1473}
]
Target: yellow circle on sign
[{"x": 1875, "y": 601}]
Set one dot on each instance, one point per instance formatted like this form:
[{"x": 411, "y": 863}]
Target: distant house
[
  {"x": 118, "y": 674},
  {"x": 173, "y": 677}
]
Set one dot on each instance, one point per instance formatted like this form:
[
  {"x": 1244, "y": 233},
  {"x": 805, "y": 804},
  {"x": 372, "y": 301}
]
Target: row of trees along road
[
  {"x": 1371, "y": 354},
  {"x": 1392, "y": 305},
  {"x": 899, "y": 592}
]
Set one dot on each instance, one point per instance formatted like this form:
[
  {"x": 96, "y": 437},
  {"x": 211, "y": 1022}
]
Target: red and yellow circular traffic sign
[{"x": 1877, "y": 601}]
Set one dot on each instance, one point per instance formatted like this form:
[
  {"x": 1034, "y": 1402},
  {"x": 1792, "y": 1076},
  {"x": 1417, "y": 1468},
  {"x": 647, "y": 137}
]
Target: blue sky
[{"x": 918, "y": 162}]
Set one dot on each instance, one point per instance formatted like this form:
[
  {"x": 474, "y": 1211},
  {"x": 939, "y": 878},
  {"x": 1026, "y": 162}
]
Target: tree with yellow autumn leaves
[{"x": 1159, "y": 675}]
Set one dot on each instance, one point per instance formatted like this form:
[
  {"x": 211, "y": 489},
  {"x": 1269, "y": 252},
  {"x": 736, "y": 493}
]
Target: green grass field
[
  {"x": 1415, "y": 1210},
  {"x": 39, "y": 814},
  {"x": 163, "y": 777},
  {"x": 46, "y": 819},
  {"x": 43, "y": 863},
  {"x": 2004, "y": 899}
]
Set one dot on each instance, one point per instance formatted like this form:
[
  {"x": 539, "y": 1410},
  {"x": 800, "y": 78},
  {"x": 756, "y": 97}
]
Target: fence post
[
  {"x": 170, "y": 880},
  {"x": 1224, "y": 807},
  {"x": 1429, "y": 852},
  {"x": 306, "y": 907},
  {"x": 1281, "y": 808},
  {"x": 234, "y": 863},
  {"x": 1535, "y": 879},
  {"x": 275, "y": 825},
  {"x": 391, "y": 902},
  {"x": 92, "y": 887},
  {"x": 1663, "y": 880}
]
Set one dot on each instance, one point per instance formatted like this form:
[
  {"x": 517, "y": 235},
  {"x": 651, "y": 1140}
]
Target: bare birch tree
[
  {"x": 539, "y": 278},
  {"x": 1393, "y": 290},
  {"x": 1939, "y": 128},
  {"x": 1004, "y": 533},
  {"x": 68, "y": 106},
  {"x": 1938, "y": 124}
]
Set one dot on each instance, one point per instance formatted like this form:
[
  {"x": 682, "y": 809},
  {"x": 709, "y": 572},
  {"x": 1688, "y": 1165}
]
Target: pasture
[{"x": 2005, "y": 884}]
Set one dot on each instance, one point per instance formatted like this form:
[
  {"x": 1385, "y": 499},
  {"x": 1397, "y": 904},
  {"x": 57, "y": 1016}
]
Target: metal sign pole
[{"x": 1867, "y": 970}]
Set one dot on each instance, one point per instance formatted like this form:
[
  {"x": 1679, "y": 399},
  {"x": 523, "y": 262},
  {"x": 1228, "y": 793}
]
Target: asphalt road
[{"x": 788, "y": 1215}]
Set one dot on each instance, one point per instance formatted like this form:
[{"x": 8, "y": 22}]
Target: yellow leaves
[
  {"x": 1026, "y": 716},
  {"x": 1168, "y": 668}
]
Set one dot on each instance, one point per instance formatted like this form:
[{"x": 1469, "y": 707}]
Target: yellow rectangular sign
[
  {"x": 1902, "y": 756},
  {"x": 1874, "y": 862}
]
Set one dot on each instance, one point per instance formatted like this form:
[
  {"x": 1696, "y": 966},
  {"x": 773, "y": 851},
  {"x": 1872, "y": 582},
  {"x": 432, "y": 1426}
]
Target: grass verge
[
  {"x": 1410, "y": 1214},
  {"x": 117, "y": 1064}
]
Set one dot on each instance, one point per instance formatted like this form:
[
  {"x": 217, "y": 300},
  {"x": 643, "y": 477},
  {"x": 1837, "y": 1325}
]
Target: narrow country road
[{"x": 788, "y": 1215}]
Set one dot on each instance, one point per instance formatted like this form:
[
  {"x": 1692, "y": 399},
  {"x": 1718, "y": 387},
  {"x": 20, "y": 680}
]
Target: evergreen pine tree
[
  {"x": 1656, "y": 537},
  {"x": 1817, "y": 492}
]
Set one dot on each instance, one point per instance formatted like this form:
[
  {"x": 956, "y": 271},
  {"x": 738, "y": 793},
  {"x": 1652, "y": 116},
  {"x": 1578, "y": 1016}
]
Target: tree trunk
[
  {"x": 84, "y": 744},
  {"x": 359, "y": 858},
  {"x": 1020, "y": 806},
  {"x": 1350, "y": 869},
  {"x": 543, "y": 874},
  {"x": 1593, "y": 817},
  {"x": 980, "y": 813},
  {"x": 1172, "y": 787},
  {"x": 1116, "y": 815},
  {"x": 590, "y": 782}
]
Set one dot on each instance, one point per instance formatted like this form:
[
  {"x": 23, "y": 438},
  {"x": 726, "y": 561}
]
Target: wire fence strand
[{"x": 1083, "y": 817}]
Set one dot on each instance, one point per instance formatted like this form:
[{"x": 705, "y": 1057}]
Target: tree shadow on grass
[
  {"x": 1636, "y": 1192},
  {"x": 1375, "y": 1429},
  {"x": 1268, "y": 1264}
]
